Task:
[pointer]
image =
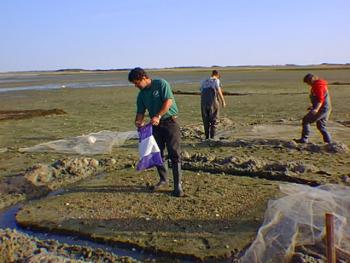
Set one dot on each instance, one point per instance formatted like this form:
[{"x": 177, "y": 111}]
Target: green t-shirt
[{"x": 153, "y": 97}]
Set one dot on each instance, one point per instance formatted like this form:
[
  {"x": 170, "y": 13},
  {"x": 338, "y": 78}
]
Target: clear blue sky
[{"x": 102, "y": 34}]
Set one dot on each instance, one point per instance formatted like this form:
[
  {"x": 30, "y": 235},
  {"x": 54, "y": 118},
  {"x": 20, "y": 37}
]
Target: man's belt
[{"x": 171, "y": 118}]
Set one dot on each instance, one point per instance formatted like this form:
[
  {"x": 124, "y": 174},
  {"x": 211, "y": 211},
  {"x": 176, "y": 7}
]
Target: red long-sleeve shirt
[{"x": 319, "y": 89}]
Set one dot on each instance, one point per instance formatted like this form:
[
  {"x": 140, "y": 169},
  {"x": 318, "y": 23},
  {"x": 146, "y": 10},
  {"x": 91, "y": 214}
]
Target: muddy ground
[
  {"x": 228, "y": 181},
  {"x": 27, "y": 114},
  {"x": 217, "y": 219}
]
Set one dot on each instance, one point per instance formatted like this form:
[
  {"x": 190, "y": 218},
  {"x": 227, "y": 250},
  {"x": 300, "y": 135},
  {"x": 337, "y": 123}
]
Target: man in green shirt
[{"x": 157, "y": 98}]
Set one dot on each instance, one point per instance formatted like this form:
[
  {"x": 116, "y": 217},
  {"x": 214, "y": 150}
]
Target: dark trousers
[
  {"x": 209, "y": 116},
  {"x": 321, "y": 119},
  {"x": 167, "y": 134}
]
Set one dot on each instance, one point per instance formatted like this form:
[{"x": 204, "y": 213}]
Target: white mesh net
[
  {"x": 299, "y": 219},
  {"x": 94, "y": 143}
]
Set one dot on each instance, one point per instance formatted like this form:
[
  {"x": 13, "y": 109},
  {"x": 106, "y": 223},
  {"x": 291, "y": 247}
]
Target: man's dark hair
[
  {"x": 308, "y": 77},
  {"x": 137, "y": 74},
  {"x": 215, "y": 73}
]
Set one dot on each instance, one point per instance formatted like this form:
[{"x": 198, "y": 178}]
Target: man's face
[
  {"x": 142, "y": 83},
  {"x": 309, "y": 83}
]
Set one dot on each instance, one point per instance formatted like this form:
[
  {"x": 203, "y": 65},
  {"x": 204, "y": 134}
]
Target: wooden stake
[
  {"x": 331, "y": 257},
  {"x": 342, "y": 254}
]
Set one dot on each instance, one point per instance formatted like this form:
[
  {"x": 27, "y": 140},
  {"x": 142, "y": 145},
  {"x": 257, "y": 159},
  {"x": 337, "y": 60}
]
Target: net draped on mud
[
  {"x": 298, "y": 219},
  {"x": 94, "y": 143}
]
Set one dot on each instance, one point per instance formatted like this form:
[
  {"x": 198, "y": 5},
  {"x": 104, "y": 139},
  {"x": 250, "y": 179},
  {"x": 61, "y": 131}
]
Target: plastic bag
[{"x": 148, "y": 149}]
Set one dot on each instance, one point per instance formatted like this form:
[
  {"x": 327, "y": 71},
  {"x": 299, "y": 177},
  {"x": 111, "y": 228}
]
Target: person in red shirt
[{"x": 319, "y": 110}]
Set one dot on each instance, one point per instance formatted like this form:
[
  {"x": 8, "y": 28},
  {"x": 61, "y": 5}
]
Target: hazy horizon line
[{"x": 179, "y": 67}]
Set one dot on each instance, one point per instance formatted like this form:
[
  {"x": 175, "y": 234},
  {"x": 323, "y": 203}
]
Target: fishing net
[
  {"x": 94, "y": 143},
  {"x": 298, "y": 219}
]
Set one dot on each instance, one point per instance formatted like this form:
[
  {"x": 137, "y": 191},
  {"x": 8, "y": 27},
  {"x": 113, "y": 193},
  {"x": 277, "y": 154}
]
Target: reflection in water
[
  {"x": 80, "y": 85},
  {"x": 85, "y": 85}
]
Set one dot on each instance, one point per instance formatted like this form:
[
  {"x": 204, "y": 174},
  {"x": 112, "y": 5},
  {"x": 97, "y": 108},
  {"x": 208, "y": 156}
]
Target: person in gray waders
[
  {"x": 319, "y": 110},
  {"x": 211, "y": 94}
]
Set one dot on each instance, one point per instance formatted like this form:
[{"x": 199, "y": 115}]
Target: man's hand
[
  {"x": 223, "y": 104},
  {"x": 139, "y": 120},
  {"x": 139, "y": 124},
  {"x": 155, "y": 120},
  {"x": 313, "y": 111},
  {"x": 316, "y": 108}
]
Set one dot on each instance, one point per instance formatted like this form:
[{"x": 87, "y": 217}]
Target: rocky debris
[
  {"x": 225, "y": 122},
  {"x": 48, "y": 257},
  {"x": 185, "y": 154},
  {"x": 335, "y": 147},
  {"x": 108, "y": 162},
  {"x": 202, "y": 158},
  {"x": 18, "y": 247},
  {"x": 41, "y": 179},
  {"x": 317, "y": 253},
  {"x": 293, "y": 167},
  {"x": 40, "y": 174},
  {"x": 251, "y": 143},
  {"x": 3, "y": 150},
  {"x": 70, "y": 169},
  {"x": 304, "y": 258},
  {"x": 77, "y": 167},
  {"x": 111, "y": 164},
  {"x": 252, "y": 165},
  {"x": 196, "y": 131},
  {"x": 345, "y": 123},
  {"x": 17, "y": 186},
  {"x": 248, "y": 166}
]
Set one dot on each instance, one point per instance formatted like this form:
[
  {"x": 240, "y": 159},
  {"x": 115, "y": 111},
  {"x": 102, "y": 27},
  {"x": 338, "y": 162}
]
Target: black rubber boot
[
  {"x": 163, "y": 178},
  {"x": 212, "y": 130},
  {"x": 177, "y": 174}
]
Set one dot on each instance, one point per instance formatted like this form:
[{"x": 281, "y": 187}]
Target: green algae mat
[{"x": 218, "y": 217}]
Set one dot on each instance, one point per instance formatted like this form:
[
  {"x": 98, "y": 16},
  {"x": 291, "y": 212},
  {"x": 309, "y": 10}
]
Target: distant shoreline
[{"x": 281, "y": 67}]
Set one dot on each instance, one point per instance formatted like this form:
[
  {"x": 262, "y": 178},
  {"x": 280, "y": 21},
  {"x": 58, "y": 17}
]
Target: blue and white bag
[{"x": 148, "y": 149}]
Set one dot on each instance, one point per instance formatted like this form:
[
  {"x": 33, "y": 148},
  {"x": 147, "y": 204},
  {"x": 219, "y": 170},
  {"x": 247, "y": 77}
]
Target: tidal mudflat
[{"x": 227, "y": 182}]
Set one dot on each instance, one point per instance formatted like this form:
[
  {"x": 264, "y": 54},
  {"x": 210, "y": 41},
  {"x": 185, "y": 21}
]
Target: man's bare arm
[
  {"x": 221, "y": 98},
  {"x": 164, "y": 109},
  {"x": 139, "y": 120}
]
